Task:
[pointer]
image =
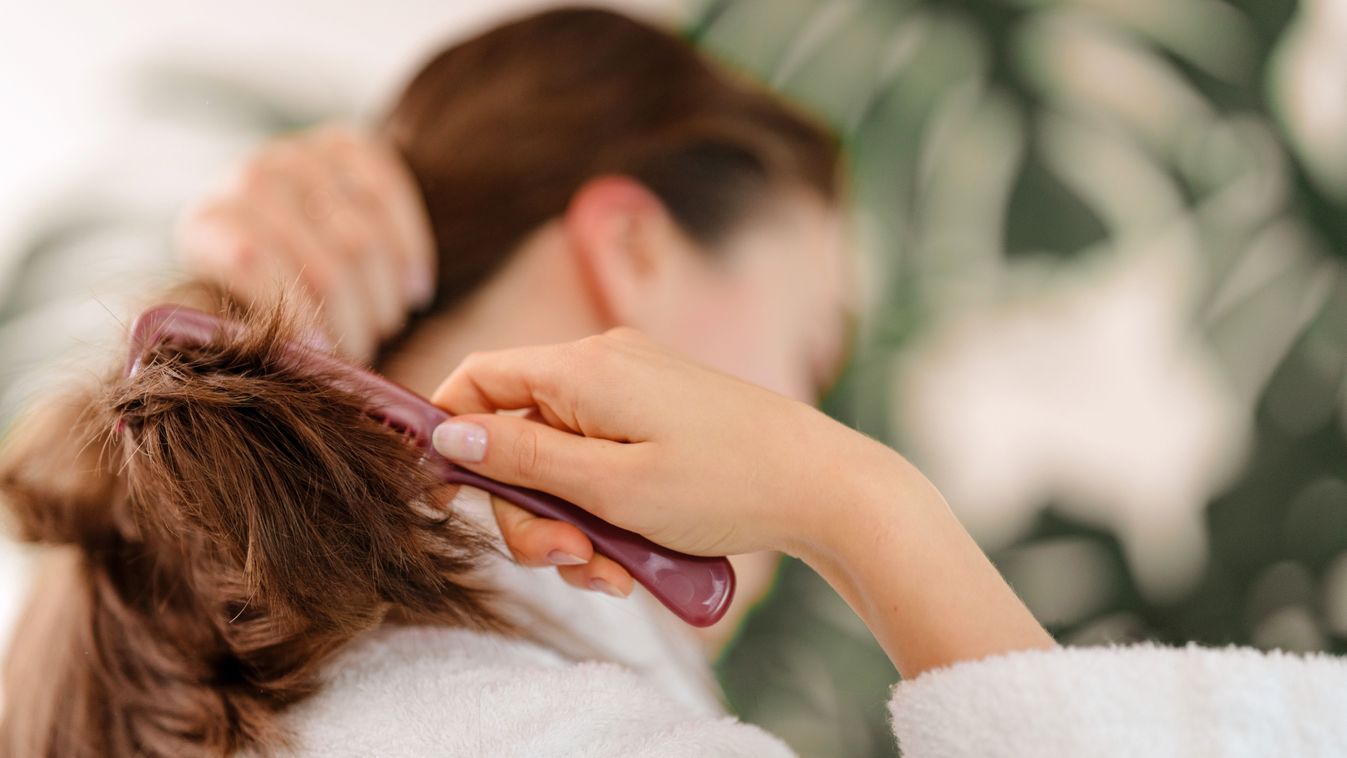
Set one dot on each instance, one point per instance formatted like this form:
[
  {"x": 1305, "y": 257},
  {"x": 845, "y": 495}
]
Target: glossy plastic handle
[{"x": 696, "y": 589}]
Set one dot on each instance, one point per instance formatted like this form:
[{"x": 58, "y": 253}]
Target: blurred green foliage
[{"x": 959, "y": 117}]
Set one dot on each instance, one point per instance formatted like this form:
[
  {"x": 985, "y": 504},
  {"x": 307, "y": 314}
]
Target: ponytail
[{"x": 225, "y": 524}]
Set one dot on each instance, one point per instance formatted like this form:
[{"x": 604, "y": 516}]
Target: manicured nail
[
  {"x": 559, "y": 558},
  {"x": 602, "y": 585},
  {"x": 460, "y": 441},
  {"x": 420, "y": 289}
]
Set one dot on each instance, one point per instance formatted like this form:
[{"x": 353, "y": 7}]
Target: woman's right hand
[
  {"x": 331, "y": 219},
  {"x": 693, "y": 459},
  {"x": 706, "y": 464}
]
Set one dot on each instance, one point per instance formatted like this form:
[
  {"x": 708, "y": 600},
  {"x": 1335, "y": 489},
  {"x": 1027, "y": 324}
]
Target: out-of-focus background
[{"x": 1104, "y": 245}]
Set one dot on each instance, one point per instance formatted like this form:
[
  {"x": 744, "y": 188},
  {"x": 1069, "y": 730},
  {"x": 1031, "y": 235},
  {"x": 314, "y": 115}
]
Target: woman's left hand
[{"x": 333, "y": 218}]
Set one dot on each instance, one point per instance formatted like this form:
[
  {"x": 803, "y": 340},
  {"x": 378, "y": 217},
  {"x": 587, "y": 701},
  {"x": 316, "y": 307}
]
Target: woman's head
[{"x": 696, "y": 207}]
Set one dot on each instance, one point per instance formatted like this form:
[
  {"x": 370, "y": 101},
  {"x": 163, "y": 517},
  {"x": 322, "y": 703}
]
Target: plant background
[
  {"x": 1103, "y": 280},
  {"x": 1107, "y": 314}
]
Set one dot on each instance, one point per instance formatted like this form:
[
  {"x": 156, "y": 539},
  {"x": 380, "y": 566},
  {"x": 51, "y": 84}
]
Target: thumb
[{"x": 532, "y": 454}]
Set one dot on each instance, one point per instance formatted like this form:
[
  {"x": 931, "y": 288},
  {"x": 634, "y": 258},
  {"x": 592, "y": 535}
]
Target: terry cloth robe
[{"x": 642, "y": 689}]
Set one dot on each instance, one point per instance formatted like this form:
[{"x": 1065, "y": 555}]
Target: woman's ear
[{"x": 619, "y": 232}]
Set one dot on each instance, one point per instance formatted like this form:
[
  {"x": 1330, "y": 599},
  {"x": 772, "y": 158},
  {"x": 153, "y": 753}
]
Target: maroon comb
[{"x": 697, "y": 589}]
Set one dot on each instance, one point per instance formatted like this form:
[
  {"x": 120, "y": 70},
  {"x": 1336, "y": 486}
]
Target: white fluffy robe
[
  {"x": 1127, "y": 701},
  {"x": 444, "y": 692},
  {"x": 447, "y": 692}
]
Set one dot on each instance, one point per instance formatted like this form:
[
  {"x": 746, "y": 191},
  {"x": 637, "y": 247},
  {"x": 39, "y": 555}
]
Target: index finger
[
  {"x": 522, "y": 377},
  {"x": 405, "y": 207},
  {"x": 387, "y": 186}
]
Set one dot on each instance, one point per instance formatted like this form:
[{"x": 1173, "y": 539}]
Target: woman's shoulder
[{"x": 434, "y": 691}]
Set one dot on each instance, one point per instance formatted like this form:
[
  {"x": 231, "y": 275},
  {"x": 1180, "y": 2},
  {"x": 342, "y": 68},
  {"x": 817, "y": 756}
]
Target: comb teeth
[
  {"x": 406, "y": 434},
  {"x": 386, "y": 401}
]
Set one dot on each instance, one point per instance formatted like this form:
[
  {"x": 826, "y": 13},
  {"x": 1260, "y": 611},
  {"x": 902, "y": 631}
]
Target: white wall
[{"x": 65, "y": 66}]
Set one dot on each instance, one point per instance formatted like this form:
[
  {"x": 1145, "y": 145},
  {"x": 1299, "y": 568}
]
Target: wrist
[
  {"x": 890, "y": 546},
  {"x": 853, "y": 497}
]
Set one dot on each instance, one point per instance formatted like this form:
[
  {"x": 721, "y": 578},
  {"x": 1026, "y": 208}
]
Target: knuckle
[
  {"x": 318, "y": 204},
  {"x": 622, "y": 334},
  {"x": 527, "y": 457},
  {"x": 589, "y": 350},
  {"x": 563, "y": 363},
  {"x": 594, "y": 342},
  {"x": 238, "y": 254},
  {"x": 319, "y": 276},
  {"x": 511, "y": 529},
  {"x": 468, "y": 363},
  {"x": 595, "y": 355}
]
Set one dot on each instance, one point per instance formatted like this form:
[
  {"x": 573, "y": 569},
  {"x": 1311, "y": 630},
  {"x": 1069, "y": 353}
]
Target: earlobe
[{"x": 610, "y": 226}]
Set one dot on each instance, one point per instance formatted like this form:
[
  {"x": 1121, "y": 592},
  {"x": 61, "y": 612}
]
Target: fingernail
[
  {"x": 420, "y": 289},
  {"x": 559, "y": 558},
  {"x": 460, "y": 441},
  {"x": 602, "y": 585}
]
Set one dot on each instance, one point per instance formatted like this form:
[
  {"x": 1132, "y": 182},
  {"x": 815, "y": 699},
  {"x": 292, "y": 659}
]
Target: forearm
[
  {"x": 893, "y": 549},
  {"x": 710, "y": 465}
]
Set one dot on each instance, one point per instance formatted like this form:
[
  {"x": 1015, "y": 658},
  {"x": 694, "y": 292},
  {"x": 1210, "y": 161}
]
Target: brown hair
[
  {"x": 247, "y": 520},
  {"x": 227, "y": 533},
  {"x": 501, "y": 130}
]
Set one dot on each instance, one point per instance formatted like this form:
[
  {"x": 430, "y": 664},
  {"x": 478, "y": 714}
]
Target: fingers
[
  {"x": 353, "y": 223},
  {"x": 601, "y": 574},
  {"x": 589, "y": 472},
  {"x": 227, "y": 242},
  {"x": 345, "y": 219},
  {"x": 592, "y": 386},
  {"x": 540, "y": 542},
  {"x": 340, "y": 240},
  {"x": 535, "y": 541},
  {"x": 505, "y": 379},
  {"x": 392, "y": 189},
  {"x": 526, "y": 377}
]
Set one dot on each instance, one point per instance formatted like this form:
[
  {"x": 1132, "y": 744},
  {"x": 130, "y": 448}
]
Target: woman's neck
[{"x": 537, "y": 297}]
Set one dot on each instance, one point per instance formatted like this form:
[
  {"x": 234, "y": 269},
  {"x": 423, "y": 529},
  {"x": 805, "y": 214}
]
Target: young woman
[
  {"x": 548, "y": 179},
  {"x": 260, "y": 570}
]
